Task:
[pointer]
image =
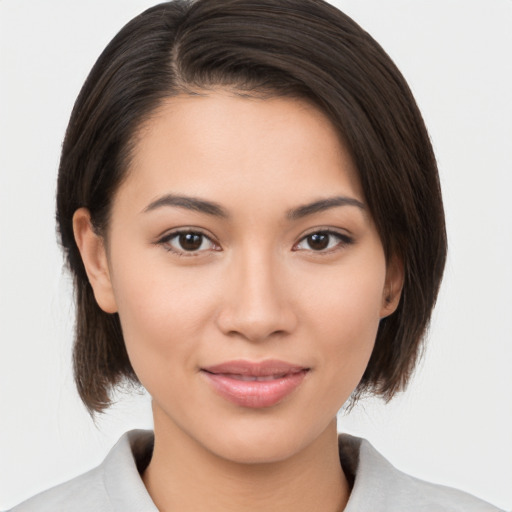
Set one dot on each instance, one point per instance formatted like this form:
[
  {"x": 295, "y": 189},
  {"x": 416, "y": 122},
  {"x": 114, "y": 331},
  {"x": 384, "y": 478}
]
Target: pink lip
[{"x": 255, "y": 385}]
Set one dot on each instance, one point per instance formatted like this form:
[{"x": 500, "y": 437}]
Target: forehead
[{"x": 221, "y": 143}]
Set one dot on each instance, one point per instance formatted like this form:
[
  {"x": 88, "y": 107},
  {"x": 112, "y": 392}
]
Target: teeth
[{"x": 252, "y": 378}]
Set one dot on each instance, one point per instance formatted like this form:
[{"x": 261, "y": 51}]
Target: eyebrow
[
  {"x": 215, "y": 210},
  {"x": 188, "y": 203},
  {"x": 322, "y": 205}
]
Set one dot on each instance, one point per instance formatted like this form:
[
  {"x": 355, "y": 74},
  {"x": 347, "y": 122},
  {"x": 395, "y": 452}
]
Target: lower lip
[{"x": 254, "y": 394}]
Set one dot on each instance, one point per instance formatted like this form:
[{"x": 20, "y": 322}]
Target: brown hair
[{"x": 303, "y": 48}]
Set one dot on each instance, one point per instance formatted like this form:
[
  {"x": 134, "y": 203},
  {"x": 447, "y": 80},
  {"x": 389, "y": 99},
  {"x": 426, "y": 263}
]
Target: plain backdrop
[{"x": 453, "y": 425}]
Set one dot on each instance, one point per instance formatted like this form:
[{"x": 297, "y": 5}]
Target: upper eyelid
[
  {"x": 170, "y": 233},
  {"x": 325, "y": 229}
]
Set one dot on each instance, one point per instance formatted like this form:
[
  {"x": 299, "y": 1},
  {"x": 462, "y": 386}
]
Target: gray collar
[{"x": 377, "y": 486}]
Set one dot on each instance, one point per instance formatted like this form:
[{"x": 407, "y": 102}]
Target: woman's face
[{"x": 246, "y": 270}]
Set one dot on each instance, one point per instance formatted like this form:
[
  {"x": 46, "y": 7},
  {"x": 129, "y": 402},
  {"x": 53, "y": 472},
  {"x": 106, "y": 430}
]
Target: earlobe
[
  {"x": 94, "y": 256},
  {"x": 393, "y": 287}
]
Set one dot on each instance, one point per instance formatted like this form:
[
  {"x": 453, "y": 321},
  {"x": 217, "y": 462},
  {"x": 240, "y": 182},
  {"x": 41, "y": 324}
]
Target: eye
[
  {"x": 188, "y": 242},
  {"x": 322, "y": 241}
]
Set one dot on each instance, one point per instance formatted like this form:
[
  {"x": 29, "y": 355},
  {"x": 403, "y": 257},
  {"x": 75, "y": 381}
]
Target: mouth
[{"x": 255, "y": 385}]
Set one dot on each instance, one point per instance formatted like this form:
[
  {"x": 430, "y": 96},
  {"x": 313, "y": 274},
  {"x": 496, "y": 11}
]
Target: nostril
[{"x": 252, "y": 328}]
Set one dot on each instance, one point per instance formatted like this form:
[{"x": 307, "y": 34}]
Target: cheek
[
  {"x": 345, "y": 317},
  {"x": 163, "y": 313},
  {"x": 348, "y": 299}
]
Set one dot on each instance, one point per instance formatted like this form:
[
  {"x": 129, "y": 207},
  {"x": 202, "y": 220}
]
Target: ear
[
  {"x": 393, "y": 286},
  {"x": 94, "y": 256}
]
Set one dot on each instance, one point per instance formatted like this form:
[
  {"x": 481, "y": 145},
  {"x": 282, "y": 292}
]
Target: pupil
[
  {"x": 190, "y": 241},
  {"x": 318, "y": 241}
]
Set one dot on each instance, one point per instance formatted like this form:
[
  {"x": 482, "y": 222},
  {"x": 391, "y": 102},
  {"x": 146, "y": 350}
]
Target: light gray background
[{"x": 454, "y": 425}]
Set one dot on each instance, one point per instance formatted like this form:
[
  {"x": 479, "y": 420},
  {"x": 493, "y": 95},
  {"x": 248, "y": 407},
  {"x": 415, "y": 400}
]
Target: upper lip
[{"x": 265, "y": 368}]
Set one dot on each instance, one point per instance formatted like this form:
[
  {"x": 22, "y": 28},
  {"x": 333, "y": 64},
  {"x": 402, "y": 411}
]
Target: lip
[{"x": 255, "y": 384}]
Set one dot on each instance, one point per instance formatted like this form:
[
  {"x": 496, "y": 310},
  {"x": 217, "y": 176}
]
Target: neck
[{"x": 184, "y": 476}]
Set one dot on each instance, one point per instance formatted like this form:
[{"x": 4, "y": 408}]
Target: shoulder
[
  {"x": 380, "y": 487},
  {"x": 115, "y": 485},
  {"x": 85, "y": 492}
]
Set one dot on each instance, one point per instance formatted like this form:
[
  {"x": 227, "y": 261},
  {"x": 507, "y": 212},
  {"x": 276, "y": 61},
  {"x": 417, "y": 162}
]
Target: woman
[{"x": 250, "y": 207}]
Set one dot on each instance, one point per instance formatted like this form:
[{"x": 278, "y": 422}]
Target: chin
[{"x": 273, "y": 444}]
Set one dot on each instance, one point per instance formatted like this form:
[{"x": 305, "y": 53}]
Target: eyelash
[
  {"x": 165, "y": 241},
  {"x": 343, "y": 241}
]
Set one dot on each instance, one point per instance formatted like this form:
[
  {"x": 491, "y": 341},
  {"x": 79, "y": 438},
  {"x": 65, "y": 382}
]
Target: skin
[{"x": 256, "y": 288}]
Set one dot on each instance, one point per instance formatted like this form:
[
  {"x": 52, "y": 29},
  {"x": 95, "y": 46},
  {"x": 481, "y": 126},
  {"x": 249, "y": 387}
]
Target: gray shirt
[{"x": 116, "y": 485}]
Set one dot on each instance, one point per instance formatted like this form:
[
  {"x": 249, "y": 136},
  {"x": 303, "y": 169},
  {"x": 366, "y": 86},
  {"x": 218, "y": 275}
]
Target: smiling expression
[{"x": 247, "y": 272}]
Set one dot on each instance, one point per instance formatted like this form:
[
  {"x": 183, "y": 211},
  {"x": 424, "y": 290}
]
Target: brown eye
[
  {"x": 323, "y": 241},
  {"x": 190, "y": 241},
  {"x": 318, "y": 241}
]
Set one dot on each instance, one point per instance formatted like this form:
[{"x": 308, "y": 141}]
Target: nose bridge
[{"x": 257, "y": 304}]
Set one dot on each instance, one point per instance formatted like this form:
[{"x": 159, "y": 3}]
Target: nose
[{"x": 257, "y": 304}]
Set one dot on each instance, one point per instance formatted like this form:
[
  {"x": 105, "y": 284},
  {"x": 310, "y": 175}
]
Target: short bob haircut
[{"x": 266, "y": 48}]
